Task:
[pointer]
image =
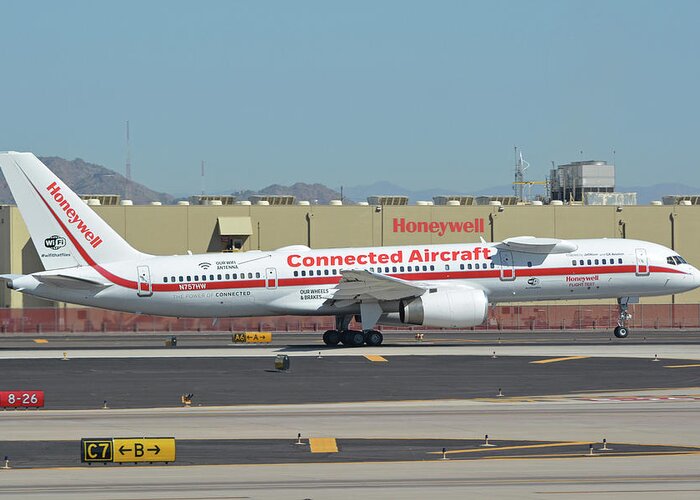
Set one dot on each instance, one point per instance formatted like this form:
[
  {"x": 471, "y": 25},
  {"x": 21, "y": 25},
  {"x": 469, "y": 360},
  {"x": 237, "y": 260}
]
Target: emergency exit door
[
  {"x": 642, "y": 267},
  {"x": 144, "y": 288},
  {"x": 270, "y": 278},
  {"x": 507, "y": 266}
]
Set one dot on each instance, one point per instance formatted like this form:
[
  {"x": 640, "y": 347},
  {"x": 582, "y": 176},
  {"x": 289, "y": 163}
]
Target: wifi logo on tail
[{"x": 204, "y": 265}]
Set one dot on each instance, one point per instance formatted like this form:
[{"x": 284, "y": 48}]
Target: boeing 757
[{"x": 86, "y": 262}]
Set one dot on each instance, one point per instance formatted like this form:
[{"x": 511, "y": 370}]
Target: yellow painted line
[
  {"x": 522, "y": 447},
  {"x": 556, "y": 360},
  {"x": 682, "y": 366},
  {"x": 323, "y": 445},
  {"x": 41, "y": 341},
  {"x": 376, "y": 358}
]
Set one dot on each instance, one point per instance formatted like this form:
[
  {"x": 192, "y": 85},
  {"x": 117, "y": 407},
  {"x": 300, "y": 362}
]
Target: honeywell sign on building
[{"x": 440, "y": 228}]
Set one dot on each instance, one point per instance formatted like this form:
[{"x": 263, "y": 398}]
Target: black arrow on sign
[
  {"x": 156, "y": 449},
  {"x": 122, "y": 449}
]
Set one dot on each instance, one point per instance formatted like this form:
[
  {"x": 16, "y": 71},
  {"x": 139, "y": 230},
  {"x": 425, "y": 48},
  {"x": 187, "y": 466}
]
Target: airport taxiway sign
[{"x": 144, "y": 449}]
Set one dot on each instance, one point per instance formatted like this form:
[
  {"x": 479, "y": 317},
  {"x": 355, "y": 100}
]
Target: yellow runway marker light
[
  {"x": 323, "y": 445},
  {"x": 556, "y": 360},
  {"x": 41, "y": 341},
  {"x": 376, "y": 358},
  {"x": 682, "y": 366}
]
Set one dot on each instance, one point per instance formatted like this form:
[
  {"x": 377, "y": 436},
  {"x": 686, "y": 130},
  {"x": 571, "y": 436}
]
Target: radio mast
[{"x": 128, "y": 163}]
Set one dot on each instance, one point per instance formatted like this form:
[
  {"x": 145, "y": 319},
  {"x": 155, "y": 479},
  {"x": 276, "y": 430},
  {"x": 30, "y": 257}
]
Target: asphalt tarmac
[
  {"x": 386, "y": 414},
  {"x": 160, "y": 382}
]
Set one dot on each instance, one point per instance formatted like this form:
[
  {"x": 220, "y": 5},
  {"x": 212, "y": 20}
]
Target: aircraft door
[
  {"x": 642, "y": 264},
  {"x": 507, "y": 266},
  {"x": 270, "y": 278},
  {"x": 144, "y": 288}
]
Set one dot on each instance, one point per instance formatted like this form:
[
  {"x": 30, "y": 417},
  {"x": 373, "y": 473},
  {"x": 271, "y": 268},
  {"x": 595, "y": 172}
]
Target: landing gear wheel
[
  {"x": 331, "y": 337},
  {"x": 621, "y": 332},
  {"x": 352, "y": 338},
  {"x": 373, "y": 338}
]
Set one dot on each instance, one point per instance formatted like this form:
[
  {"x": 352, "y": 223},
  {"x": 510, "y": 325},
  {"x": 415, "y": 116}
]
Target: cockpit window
[{"x": 676, "y": 260}]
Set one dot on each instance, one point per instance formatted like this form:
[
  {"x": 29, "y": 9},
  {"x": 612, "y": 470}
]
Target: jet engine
[{"x": 446, "y": 308}]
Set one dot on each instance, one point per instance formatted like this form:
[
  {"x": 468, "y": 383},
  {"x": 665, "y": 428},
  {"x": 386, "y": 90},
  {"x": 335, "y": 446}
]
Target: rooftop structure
[{"x": 571, "y": 181}]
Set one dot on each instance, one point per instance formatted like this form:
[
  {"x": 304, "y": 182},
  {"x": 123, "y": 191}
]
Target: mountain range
[{"x": 89, "y": 178}]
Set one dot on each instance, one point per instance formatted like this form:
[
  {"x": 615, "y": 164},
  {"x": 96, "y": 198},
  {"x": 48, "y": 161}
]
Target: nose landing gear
[{"x": 621, "y": 331}]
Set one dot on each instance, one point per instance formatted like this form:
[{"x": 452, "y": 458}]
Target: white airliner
[{"x": 451, "y": 286}]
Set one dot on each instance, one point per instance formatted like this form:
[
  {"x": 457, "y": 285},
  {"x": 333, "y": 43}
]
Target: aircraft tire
[
  {"x": 331, "y": 337},
  {"x": 373, "y": 338},
  {"x": 355, "y": 338},
  {"x": 621, "y": 332}
]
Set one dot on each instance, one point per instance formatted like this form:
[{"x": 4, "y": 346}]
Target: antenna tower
[
  {"x": 520, "y": 167},
  {"x": 128, "y": 163},
  {"x": 202, "y": 177}
]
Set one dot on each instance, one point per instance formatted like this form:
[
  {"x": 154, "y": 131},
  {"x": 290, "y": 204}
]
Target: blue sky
[{"x": 423, "y": 94}]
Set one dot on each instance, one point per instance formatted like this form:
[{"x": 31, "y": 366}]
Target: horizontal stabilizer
[{"x": 64, "y": 281}]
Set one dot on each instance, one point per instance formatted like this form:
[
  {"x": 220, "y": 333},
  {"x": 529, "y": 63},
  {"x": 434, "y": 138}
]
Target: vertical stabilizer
[{"x": 65, "y": 231}]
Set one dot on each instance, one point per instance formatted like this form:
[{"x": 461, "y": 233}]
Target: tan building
[{"x": 171, "y": 229}]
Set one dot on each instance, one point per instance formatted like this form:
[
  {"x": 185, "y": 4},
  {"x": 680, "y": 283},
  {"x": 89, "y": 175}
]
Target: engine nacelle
[{"x": 446, "y": 308}]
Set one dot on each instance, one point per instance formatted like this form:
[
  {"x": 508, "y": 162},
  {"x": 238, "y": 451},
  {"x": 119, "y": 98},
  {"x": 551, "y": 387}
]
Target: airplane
[{"x": 445, "y": 286}]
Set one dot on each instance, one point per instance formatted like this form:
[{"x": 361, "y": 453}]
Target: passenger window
[
  {"x": 409, "y": 269},
  {"x": 325, "y": 271},
  {"x": 172, "y": 279},
  {"x": 604, "y": 262},
  {"x": 335, "y": 271},
  {"x": 196, "y": 277},
  {"x": 233, "y": 276},
  {"x": 181, "y": 279},
  {"x": 189, "y": 279},
  {"x": 461, "y": 267},
  {"x": 303, "y": 273},
  {"x": 204, "y": 277},
  {"x": 493, "y": 266},
  {"x": 469, "y": 266},
  {"x": 211, "y": 277},
  {"x": 447, "y": 267},
  {"x": 218, "y": 277},
  {"x": 257, "y": 275},
  {"x": 529, "y": 263},
  {"x": 619, "y": 261},
  {"x": 596, "y": 262},
  {"x": 165, "y": 279},
  {"x": 573, "y": 262},
  {"x": 432, "y": 267},
  {"x": 296, "y": 273},
  {"x": 401, "y": 269},
  {"x": 580, "y": 262}
]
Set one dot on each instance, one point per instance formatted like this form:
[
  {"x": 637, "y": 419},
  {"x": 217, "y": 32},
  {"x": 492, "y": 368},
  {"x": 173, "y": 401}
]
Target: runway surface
[
  {"x": 388, "y": 411},
  {"x": 85, "y": 383}
]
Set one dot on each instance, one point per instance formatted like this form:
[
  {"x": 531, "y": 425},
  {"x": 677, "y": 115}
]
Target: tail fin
[{"x": 65, "y": 231}]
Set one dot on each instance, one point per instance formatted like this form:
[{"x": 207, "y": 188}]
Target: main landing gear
[
  {"x": 354, "y": 338},
  {"x": 621, "y": 331}
]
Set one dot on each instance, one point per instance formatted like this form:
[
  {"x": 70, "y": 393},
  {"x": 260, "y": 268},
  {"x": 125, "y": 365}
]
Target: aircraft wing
[{"x": 361, "y": 285}]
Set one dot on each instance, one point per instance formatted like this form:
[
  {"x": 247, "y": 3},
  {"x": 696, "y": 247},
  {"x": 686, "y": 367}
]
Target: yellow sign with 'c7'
[
  {"x": 127, "y": 450},
  {"x": 96, "y": 450},
  {"x": 144, "y": 449}
]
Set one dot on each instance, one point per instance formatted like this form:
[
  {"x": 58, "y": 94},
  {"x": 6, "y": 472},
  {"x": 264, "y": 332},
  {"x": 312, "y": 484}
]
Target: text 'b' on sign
[
  {"x": 96, "y": 450},
  {"x": 144, "y": 450}
]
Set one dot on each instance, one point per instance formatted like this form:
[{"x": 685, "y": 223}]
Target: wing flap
[{"x": 361, "y": 285}]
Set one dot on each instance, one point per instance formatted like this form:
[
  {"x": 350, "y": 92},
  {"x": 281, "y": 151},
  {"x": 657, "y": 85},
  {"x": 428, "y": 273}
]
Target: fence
[{"x": 542, "y": 317}]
